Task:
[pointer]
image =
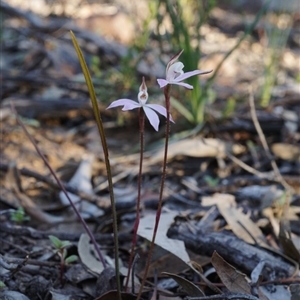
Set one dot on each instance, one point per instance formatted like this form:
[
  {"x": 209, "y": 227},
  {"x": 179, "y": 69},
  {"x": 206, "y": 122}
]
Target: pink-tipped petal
[
  {"x": 161, "y": 110},
  {"x": 143, "y": 86},
  {"x": 190, "y": 74},
  {"x": 186, "y": 85},
  {"x": 152, "y": 117},
  {"x": 127, "y": 103},
  {"x": 174, "y": 59},
  {"x": 162, "y": 82}
]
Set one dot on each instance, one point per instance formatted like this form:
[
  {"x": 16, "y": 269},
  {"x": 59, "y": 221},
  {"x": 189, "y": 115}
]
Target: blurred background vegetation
[{"x": 243, "y": 41}]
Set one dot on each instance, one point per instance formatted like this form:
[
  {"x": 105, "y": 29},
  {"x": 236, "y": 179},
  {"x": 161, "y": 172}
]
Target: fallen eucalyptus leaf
[
  {"x": 198, "y": 148},
  {"x": 86, "y": 252},
  {"x": 234, "y": 280},
  {"x": 175, "y": 247},
  {"x": 191, "y": 289},
  {"x": 286, "y": 151}
]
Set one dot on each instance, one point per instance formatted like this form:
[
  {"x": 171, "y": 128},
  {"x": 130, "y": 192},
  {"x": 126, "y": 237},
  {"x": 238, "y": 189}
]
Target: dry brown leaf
[
  {"x": 286, "y": 151},
  {"x": 242, "y": 226},
  {"x": 234, "y": 280},
  {"x": 285, "y": 238},
  {"x": 166, "y": 263},
  {"x": 191, "y": 289},
  {"x": 198, "y": 148}
]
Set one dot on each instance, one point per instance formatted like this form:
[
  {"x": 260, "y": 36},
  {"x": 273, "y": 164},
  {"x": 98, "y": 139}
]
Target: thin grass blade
[{"x": 97, "y": 115}]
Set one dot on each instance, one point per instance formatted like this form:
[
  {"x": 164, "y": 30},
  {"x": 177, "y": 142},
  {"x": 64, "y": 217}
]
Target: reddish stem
[
  {"x": 137, "y": 218},
  {"x": 59, "y": 183},
  {"x": 162, "y": 184},
  {"x": 62, "y": 266}
]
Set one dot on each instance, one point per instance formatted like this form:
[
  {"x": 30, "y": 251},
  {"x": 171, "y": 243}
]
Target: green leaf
[
  {"x": 55, "y": 241},
  {"x": 212, "y": 182},
  {"x": 71, "y": 259},
  {"x": 65, "y": 244},
  {"x": 19, "y": 215},
  {"x": 182, "y": 110},
  {"x": 91, "y": 89},
  {"x": 97, "y": 115}
]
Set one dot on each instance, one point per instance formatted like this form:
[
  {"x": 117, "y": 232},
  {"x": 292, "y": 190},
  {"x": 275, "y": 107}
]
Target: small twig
[
  {"x": 264, "y": 142},
  {"x": 242, "y": 164},
  {"x": 246, "y": 167},
  {"x": 11, "y": 263},
  {"x": 14, "y": 245},
  {"x": 214, "y": 288},
  {"x": 20, "y": 266},
  {"x": 278, "y": 176},
  {"x": 17, "y": 230}
]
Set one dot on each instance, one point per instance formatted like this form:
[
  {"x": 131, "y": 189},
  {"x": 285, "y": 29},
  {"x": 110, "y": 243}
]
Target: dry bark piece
[{"x": 235, "y": 251}]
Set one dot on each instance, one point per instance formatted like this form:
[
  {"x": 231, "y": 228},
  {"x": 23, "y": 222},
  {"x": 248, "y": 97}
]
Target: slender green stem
[
  {"x": 162, "y": 184},
  {"x": 138, "y": 204},
  {"x": 59, "y": 183}
]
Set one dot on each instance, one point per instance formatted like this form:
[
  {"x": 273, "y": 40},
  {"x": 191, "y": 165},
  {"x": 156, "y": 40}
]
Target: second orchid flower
[{"x": 175, "y": 74}]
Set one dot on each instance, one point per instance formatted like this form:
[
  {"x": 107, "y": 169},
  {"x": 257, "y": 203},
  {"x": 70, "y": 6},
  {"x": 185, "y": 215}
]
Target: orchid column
[{"x": 174, "y": 75}]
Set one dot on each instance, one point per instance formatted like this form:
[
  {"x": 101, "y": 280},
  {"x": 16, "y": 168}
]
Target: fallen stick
[{"x": 234, "y": 250}]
